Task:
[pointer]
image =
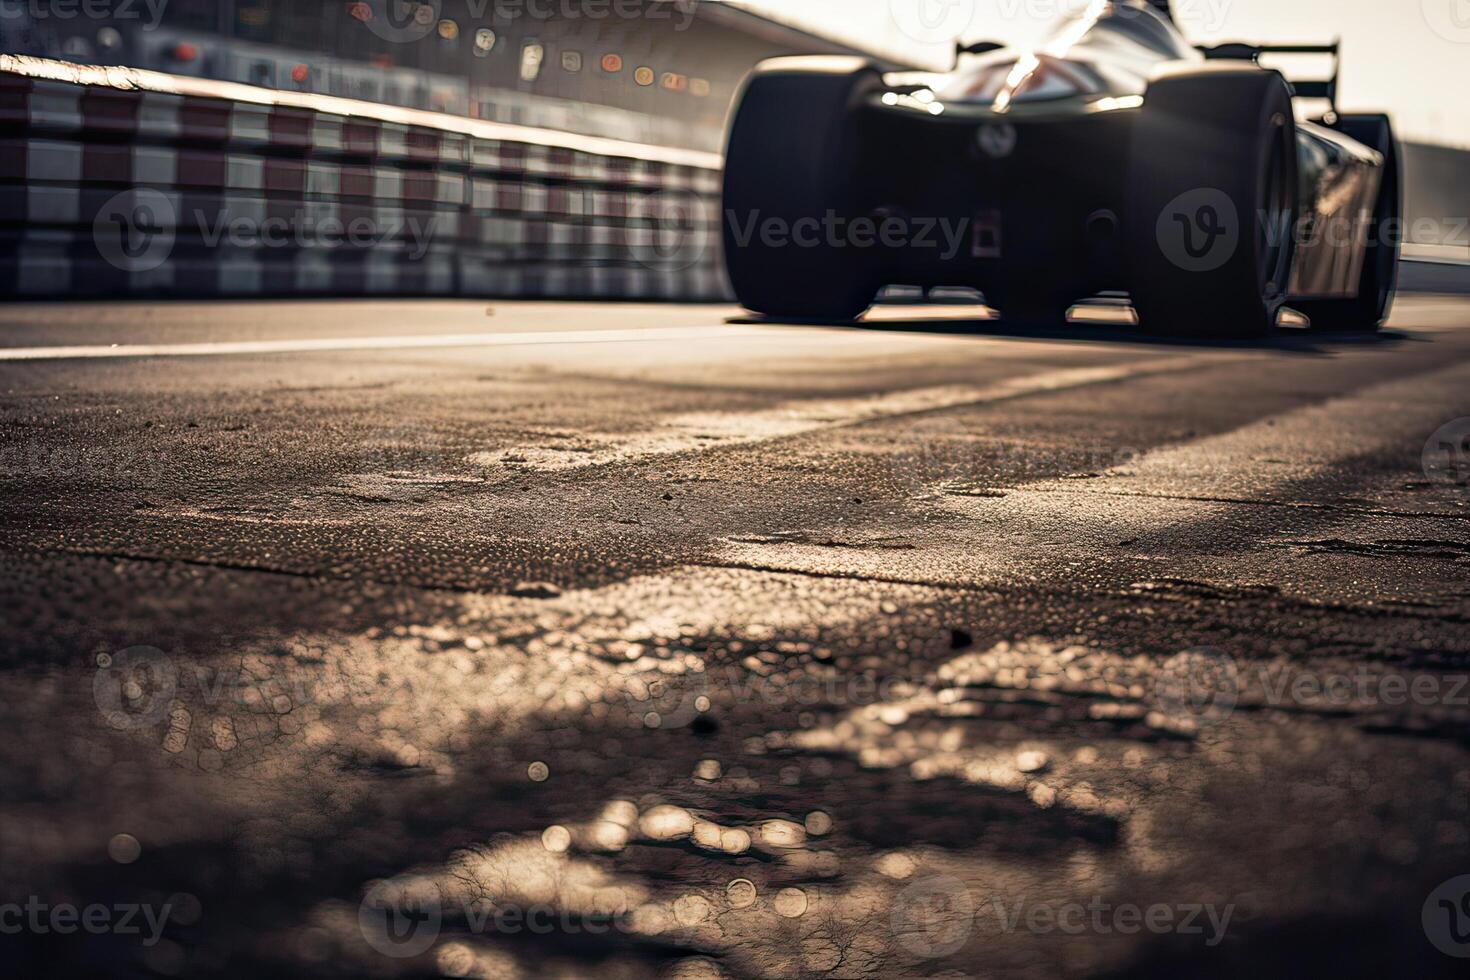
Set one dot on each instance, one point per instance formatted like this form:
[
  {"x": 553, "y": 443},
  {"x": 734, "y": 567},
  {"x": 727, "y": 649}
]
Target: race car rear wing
[{"x": 1302, "y": 90}]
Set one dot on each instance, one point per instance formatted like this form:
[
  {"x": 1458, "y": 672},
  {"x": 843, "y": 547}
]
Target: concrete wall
[
  {"x": 1437, "y": 196},
  {"x": 1437, "y": 211}
]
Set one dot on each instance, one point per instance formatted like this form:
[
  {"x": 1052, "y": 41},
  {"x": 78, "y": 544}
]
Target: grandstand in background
[{"x": 652, "y": 71}]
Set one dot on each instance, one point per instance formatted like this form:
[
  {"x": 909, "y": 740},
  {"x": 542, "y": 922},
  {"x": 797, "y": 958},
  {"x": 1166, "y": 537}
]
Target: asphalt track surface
[{"x": 522, "y": 640}]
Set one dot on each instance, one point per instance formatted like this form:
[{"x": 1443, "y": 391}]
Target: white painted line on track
[
  {"x": 1275, "y": 459},
  {"x": 1192, "y": 514},
  {"x": 716, "y": 430},
  {"x": 410, "y": 342}
]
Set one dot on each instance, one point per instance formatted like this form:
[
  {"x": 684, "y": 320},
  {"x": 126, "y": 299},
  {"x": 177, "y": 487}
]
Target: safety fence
[{"x": 117, "y": 182}]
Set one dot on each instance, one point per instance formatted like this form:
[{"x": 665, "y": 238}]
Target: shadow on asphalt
[{"x": 1299, "y": 341}]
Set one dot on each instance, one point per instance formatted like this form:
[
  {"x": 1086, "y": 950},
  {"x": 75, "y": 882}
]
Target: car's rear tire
[
  {"x": 1212, "y": 201},
  {"x": 1365, "y": 312},
  {"x": 791, "y": 159}
]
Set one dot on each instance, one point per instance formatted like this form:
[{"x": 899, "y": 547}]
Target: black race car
[{"x": 1114, "y": 157}]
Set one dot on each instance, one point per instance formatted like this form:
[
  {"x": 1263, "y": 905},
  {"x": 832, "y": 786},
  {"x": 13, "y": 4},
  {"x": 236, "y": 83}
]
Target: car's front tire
[
  {"x": 1213, "y": 201},
  {"x": 789, "y": 165}
]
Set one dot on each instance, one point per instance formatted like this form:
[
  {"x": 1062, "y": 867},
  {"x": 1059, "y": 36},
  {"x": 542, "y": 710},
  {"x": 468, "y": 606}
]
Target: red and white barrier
[{"x": 115, "y": 182}]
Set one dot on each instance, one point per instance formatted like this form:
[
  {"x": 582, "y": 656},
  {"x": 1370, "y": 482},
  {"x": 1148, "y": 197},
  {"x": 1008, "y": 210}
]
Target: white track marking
[
  {"x": 1259, "y": 461},
  {"x": 305, "y": 345},
  {"x": 715, "y": 430},
  {"x": 1025, "y": 533}
]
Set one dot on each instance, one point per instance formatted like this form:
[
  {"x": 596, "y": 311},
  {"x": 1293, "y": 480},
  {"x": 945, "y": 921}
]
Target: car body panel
[{"x": 1339, "y": 180}]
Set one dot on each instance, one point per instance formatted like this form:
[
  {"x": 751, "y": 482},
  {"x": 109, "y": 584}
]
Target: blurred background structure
[
  {"x": 649, "y": 71},
  {"x": 489, "y": 84}
]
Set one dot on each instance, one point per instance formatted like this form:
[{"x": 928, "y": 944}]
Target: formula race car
[{"x": 1114, "y": 157}]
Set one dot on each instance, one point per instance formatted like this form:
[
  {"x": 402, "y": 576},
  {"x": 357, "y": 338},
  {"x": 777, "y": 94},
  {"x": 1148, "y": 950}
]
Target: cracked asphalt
[{"x": 550, "y": 640}]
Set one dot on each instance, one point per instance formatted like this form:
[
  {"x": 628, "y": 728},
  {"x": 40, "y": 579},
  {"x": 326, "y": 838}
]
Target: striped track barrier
[{"x": 116, "y": 182}]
